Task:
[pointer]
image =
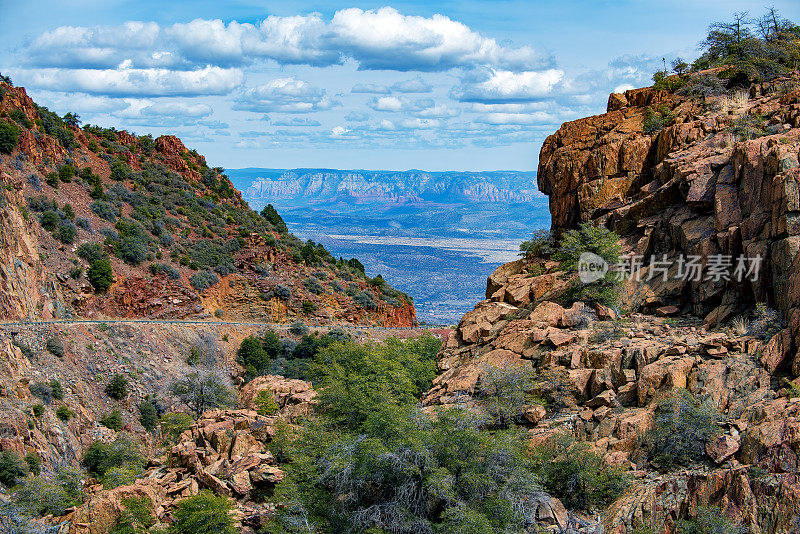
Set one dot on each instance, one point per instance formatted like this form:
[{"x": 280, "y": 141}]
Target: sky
[{"x": 451, "y": 85}]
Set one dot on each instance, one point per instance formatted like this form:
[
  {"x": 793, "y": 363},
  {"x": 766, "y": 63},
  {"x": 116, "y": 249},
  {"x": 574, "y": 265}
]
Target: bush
[
  {"x": 64, "y": 413},
  {"x": 265, "y": 403},
  {"x": 112, "y": 420},
  {"x": 365, "y": 300},
  {"x": 56, "y": 390},
  {"x": 66, "y": 232},
  {"x": 505, "y": 394},
  {"x": 122, "y": 452},
  {"x": 766, "y": 322},
  {"x": 657, "y": 119},
  {"x": 204, "y": 513},
  {"x": 203, "y": 280},
  {"x": 710, "y": 520},
  {"x": 120, "y": 476},
  {"x": 163, "y": 268},
  {"x": 601, "y": 242},
  {"x": 749, "y": 127},
  {"x": 683, "y": 426},
  {"x": 42, "y": 495},
  {"x": 105, "y": 210},
  {"x": 298, "y": 329},
  {"x": 37, "y": 410},
  {"x": 576, "y": 475},
  {"x": 201, "y": 392},
  {"x": 12, "y": 468},
  {"x": 49, "y": 220},
  {"x": 43, "y": 391},
  {"x": 252, "y": 356},
  {"x": 55, "y": 346},
  {"x": 308, "y": 307},
  {"x": 148, "y": 415},
  {"x": 175, "y": 424},
  {"x": 136, "y": 516},
  {"x": 117, "y": 388},
  {"x": 541, "y": 244},
  {"x": 9, "y": 137},
  {"x": 312, "y": 285},
  {"x": 100, "y": 275},
  {"x": 34, "y": 462},
  {"x": 91, "y": 252},
  {"x": 66, "y": 172},
  {"x": 133, "y": 243}
]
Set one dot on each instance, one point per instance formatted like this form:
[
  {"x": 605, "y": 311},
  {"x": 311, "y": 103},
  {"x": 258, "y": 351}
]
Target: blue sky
[{"x": 452, "y": 85}]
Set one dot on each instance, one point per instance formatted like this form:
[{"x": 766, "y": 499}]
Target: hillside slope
[{"x": 180, "y": 240}]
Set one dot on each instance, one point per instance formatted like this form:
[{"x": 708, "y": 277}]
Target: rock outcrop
[{"x": 694, "y": 188}]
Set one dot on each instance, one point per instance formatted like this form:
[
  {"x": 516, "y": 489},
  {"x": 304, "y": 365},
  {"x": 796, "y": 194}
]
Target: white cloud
[
  {"x": 339, "y": 131},
  {"x": 135, "y": 82},
  {"x": 357, "y": 116},
  {"x": 503, "y": 86},
  {"x": 373, "y": 88},
  {"x": 399, "y": 103},
  {"x": 382, "y": 39},
  {"x": 414, "y": 85},
  {"x": 183, "y": 109},
  {"x": 288, "y": 95},
  {"x": 438, "y": 111}
]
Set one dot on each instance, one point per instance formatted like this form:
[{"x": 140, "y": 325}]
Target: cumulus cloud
[
  {"x": 399, "y": 103},
  {"x": 135, "y": 82},
  {"x": 382, "y": 39},
  {"x": 287, "y": 95},
  {"x": 373, "y": 88},
  {"x": 414, "y": 85},
  {"x": 503, "y": 86}
]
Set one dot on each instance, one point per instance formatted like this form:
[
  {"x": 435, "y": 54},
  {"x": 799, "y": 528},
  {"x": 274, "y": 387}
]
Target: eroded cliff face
[
  {"x": 693, "y": 188},
  {"x": 25, "y": 289}
]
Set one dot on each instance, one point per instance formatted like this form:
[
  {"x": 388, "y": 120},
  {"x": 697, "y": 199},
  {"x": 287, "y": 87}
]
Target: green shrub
[
  {"x": 710, "y": 520},
  {"x": 56, "y": 389},
  {"x": 683, "y": 426},
  {"x": 66, "y": 232},
  {"x": 120, "y": 476},
  {"x": 105, "y": 210},
  {"x": 37, "y": 410},
  {"x": 34, "y": 462},
  {"x": 148, "y": 415},
  {"x": 308, "y": 307},
  {"x": 12, "y": 468},
  {"x": 175, "y": 424},
  {"x": 136, "y": 517},
  {"x": 505, "y": 393},
  {"x": 117, "y": 388},
  {"x": 9, "y": 137},
  {"x": 312, "y": 285},
  {"x": 66, "y": 172},
  {"x": 55, "y": 346},
  {"x": 64, "y": 413},
  {"x": 576, "y": 475},
  {"x": 91, "y": 252},
  {"x": 203, "y": 280},
  {"x": 42, "y": 495},
  {"x": 265, "y": 403},
  {"x": 49, "y": 220},
  {"x": 204, "y": 513},
  {"x": 766, "y": 322},
  {"x": 298, "y": 328},
  {"x": 100, "y": 275},
  {"x": 656, "y": 119},
  {"x": 122, "y": 452},
  {"x": 596, "y": 240},
  {"x": 253, "y": 357},
  {"x": 112, "y": 420},
  {"x": 541, "y": 244},
  {"x": 749, "y": 127},
  {"x": 133, "y": 243}
]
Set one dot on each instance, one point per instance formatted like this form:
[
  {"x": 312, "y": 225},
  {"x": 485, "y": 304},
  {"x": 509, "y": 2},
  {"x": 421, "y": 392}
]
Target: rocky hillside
[
  {"x": 178, "y": 238},
  {"x": 714, "y": 176}
]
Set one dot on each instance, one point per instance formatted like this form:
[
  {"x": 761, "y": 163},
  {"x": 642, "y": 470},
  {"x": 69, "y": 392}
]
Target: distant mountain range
[{"x": 311, "y": 186}]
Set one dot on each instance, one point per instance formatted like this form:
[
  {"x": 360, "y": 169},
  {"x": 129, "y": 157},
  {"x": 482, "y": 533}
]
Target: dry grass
[
  {"x": 739, "y": 326},
  {"x": 735, "y": 103}
]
